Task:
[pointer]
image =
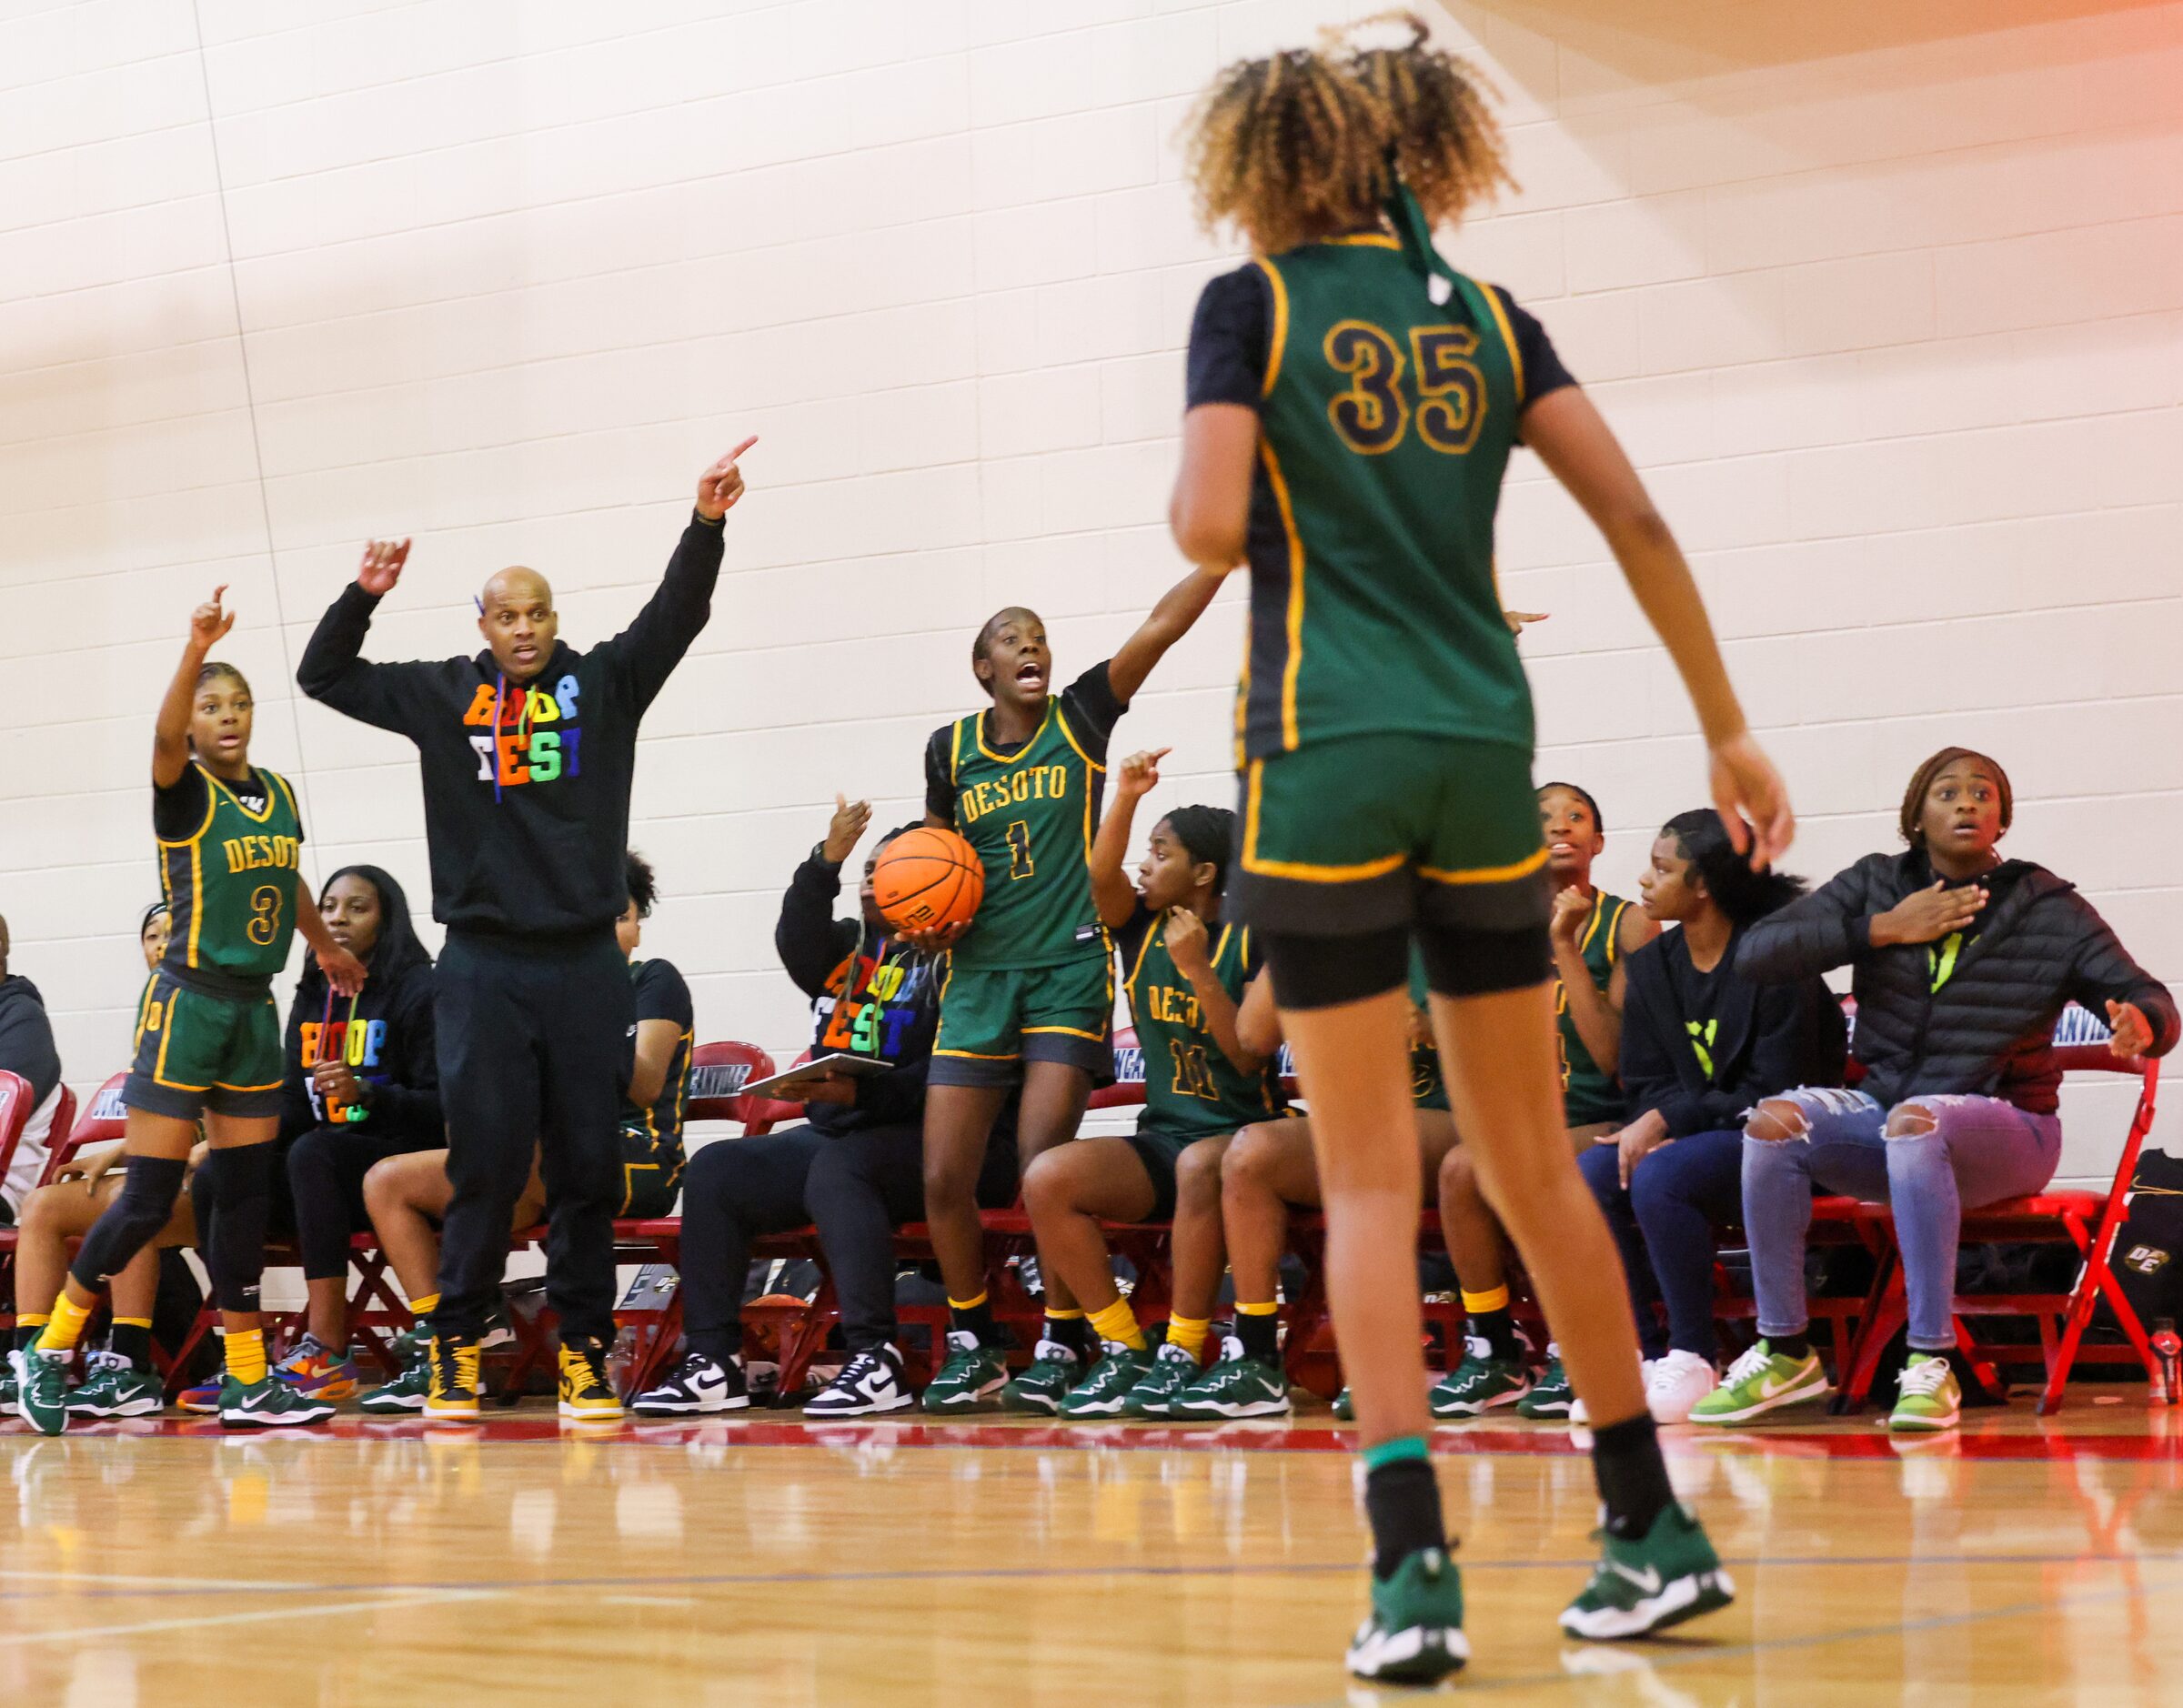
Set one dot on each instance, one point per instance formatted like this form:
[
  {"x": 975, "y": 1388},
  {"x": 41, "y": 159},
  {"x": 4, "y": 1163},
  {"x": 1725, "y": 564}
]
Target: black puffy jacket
[{"x": 1988, "y": 1029}]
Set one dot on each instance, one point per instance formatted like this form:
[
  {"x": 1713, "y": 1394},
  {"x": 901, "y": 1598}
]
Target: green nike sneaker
[
  {"x": 1237, "y": 1387},
  {"x": 270, "y": 1404},
  {"x": 407, "y": 1392},
  {"x": 1414, "y": 1635},
  {"x": 1172, "y": 1370},
  {"x": 41, "y": 1388},
  {"x": 1762, "y": 1382},
  {"x": 117, "y": 1388},
  {"x": 1661, "y": 1578},
  {"x": 1105, "y": 1392},
  {"x": 1930, "y": 1398},
  {"x": 970, "y": 1380},
  {"x": 1345, "y": 1407},
  {"x": 1550, "y": 1395},
  {"x": 1055, "y": 1370},
  {"x": 1480, "y": 1383}
]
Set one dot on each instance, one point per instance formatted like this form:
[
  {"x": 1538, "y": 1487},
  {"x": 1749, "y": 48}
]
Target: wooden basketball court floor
[{"x": 756, "y": 1560}]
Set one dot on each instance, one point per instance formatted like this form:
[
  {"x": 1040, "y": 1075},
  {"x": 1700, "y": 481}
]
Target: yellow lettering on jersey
[
  {"x": 1173, "y": 1007},
  {"x": 253, "y": 853}
]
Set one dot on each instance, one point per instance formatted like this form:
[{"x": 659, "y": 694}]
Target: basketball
[{"x": 927, "y": 878}]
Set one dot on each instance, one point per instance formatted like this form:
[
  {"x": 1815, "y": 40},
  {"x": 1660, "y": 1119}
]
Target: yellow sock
[
  {"x": 64, "y": 1325},
  {"x": 132, "y": 1323},
  {"x": 30, "y": 1319},
  {"x": 1118, "y": 1323},
  {"x": 424, "y": 1305},
  {"x": 1266, "y": 1309},
  {"x": 967, "y": 1304},
  {"x": 1496, "y": 1300},
  {"x": 246, "y": 1350},
  {"x": 1188, "y": 1333},
  {"x": 1064, "y": 1316}
]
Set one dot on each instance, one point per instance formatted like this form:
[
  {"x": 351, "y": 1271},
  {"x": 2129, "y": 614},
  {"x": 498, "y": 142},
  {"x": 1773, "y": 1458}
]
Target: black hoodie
[
  {"x": 385, "y": 1036},
  {"x": 1988, "y": 1029},
  {"x": 528, "y": 833},
  {"x": 870, "y": 995},
  {"x": 27, "y": 1037}
]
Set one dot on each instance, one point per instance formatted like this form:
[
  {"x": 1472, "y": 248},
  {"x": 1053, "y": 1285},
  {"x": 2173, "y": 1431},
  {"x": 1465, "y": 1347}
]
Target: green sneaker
[
  {"x": 41, "y": 1388},
  {"x": 270, "y": 1404},
  {"x": 1930, "y": 1398},
  {"x": 407, "y": 1392},
  {"x": 117, "y": 1388},
  {"x": 1236, "y": 1387},
  {"x": 1055, "y": 1370},
  {"x": 1105, "y": 1392},
  {"x": 1761, "y": 1381},
  {"x": 1480, "y": 1383},
  {"x": 1345, "y": 1407},
  {"x": 1415, "y": 1635},
  {"x": 970, "y": 1380},
  {"x": 1668, "y": 1575},
  {"x": 1550, "y": 1395},
  {"x": 9, "y": 1387},
  {"x": 1172, "y": 1370}
]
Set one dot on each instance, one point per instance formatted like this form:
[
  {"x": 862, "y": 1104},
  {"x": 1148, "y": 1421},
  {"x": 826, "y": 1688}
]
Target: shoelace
[
  {"x": 1750, "y": 1364},
  {"x": 857, "y": 1369},
  {"x": 465, "y": 1360},
  {"x": 1925, "y": 1379},
  {"x": 586, "y": 1373}
]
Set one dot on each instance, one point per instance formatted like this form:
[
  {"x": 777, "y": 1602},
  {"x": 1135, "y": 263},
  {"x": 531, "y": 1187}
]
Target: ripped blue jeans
[{"x": 1956, "y": 1151}]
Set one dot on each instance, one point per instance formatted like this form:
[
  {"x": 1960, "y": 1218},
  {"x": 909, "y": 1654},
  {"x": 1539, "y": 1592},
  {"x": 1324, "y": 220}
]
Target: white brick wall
[{"x": 1887, "y": 305}]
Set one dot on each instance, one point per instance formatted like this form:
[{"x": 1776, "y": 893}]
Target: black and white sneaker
[
  {"x": 869, "y": 1383},
  {"x": 698, "y": 1385}
]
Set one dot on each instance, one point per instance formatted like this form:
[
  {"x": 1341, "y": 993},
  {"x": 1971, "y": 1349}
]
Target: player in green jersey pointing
[
  {"x": 207, "y": 1033},
  {"x": 1352, "y": 403}
]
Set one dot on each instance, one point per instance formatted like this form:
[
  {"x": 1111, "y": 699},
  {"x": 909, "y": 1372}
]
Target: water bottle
[{"x": 2168, "y": 1348}]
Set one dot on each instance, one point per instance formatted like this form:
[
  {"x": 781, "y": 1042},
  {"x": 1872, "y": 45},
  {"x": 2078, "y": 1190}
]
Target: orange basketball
[{"x": 926, "y": 879}]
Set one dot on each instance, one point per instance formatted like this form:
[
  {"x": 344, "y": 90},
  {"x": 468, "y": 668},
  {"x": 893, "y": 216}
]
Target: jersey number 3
[
  {"x": 265, "y": 914},
  {"x": 1373, "y": 416}
]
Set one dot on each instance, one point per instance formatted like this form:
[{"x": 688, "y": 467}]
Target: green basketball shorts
[
  {"x": 995, "y": 1019},
  {"x": 197, "y": 1053},
  {"x": 1364, "y": 833}
]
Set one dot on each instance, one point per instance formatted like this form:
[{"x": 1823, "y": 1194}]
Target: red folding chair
[{"x": 2089, "y": 1220}]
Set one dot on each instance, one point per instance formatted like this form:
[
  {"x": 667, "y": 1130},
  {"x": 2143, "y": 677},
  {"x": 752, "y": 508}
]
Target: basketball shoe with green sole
[
  {"x": 117, "y": 1388},
  {"x": 41, "y": 1388},
  {"x": 1414, "y": 1634},
  {"x": 1105, "y": 1392},
  {"x": 1236, "y": 1387},
  {"x": 1479, "y": 1384},
  {"x": 1054, "y": 1369},
  {"x": 1648, "y": 1584},
  {"x": 269, "y": 1403},
  {"x": 1550, "y": 1395},
  {"x": 1172, "y": 1370},
  {"x": 969, "y": 1382}
]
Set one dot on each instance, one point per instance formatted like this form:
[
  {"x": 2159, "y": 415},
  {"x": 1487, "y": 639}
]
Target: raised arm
[
  {"x": 333, "y": 669},
  {"x": 209, "y": 624},
  {"x": 1111, "y": 892},
  {"x": 1573, "y": 440},
  {"x": 1179, "y": 607},
  {"x": 645, "y": 654},
  {"x": 807, "y": 937}
]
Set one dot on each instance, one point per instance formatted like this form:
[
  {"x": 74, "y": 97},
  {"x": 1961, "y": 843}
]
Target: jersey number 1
[{"x": 1019, "y": 864}]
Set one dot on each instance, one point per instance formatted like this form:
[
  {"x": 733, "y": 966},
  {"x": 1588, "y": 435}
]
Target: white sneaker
[
  {"x": 868, "y": 1383},
  {"x": 1675, "y": 1383}
]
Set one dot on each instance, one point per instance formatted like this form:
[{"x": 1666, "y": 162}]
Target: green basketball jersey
[
  {"x": 1029, "y": 815},
  {"x": 1190, "y": 1087},
  {"x": 1589, "y": 1092},
  {"x": 1385, "y": 426},
  {"x": 230, "y": 888}
]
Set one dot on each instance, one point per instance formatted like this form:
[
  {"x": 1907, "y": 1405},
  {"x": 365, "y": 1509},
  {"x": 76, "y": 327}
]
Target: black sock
[
  {"x": 721, "y": 1345},
  {"x": 1259, "y": 1335},
  {"x": 132, "y": 1341},
  {"x": 1798, "y": 1346},
  {"x": 977, "y": 1322},
  {"x": 1403, "y": 1501},
  {"x": 24, "y": 1336},
  {"x": 1633, "y": 1476},
  {"x": 1497, "y": 1329},
  {"x": 1074, "y": 1332}
]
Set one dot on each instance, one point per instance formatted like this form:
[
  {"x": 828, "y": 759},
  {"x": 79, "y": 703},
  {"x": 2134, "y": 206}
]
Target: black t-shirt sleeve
[
  {"x": 179, "y": 809},
  {"x": 1130, "y": 935},
  {"x": 1092, "y": 709},
  {"x": 1228, "y": 336},
  {"x": 940, "y": 780},
  {"x": 661, "y": 994},
  {"x": 1543, "y": 370}
]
